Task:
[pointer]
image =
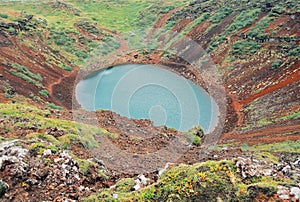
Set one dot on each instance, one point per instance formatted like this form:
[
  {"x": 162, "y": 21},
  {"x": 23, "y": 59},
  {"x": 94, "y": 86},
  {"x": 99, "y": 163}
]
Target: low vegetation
[
  {"x": 207, "y": 181},
  {"x": 244, "y": 47}
]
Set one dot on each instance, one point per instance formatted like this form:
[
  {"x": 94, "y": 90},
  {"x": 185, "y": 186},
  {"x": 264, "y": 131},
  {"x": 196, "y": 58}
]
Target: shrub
[
  {"x": 196, "y": 141},
  {"x": 194, "y": 135},
  {"x": 27, "y": 72},
  {"x": 220, "y": 14},
  {"x": 294, "y": 52},
  {"x": 53, "y": 106},
  {"x": 62, "y": 38},
  {"x": 166, "y": 9},
  {"x": 65, "y": 67},
  {"x": 25, "y": 78},
  {"x": 44, "y": 93},
  {"x": 276, "y": 64},
  {"x": 244, "y": 47},
  {"x": 260, "y": 27},
  {"x": 170, "y": 24},
  {"x": 244, "y": 19},
  {"x": 3, "y": 15}
]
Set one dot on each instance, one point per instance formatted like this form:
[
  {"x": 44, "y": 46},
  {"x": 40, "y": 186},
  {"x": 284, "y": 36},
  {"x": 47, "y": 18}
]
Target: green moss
[
  {"x": 125, "y": 185},
  {"x": 266, "y": 156},
  {"x": 84, "y": 165},
  {"x": 43, "y": 146},
  {"x": 67, "y": 139},
  {"x": 45, "y": 137},
  {"x": 285, "y": 146},
  {"x": 208, "y": 181},
  {"x": 34, "y": 116}
]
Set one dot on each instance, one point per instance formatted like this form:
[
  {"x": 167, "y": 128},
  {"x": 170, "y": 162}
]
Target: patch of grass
[
  {"x": 294, "y": 52},
  {"x": 25, "y": 74},
  {"x": 42, "y": 146},
  {"x": 220, "y": 14},
  {"x": 48, "y": 138},
  {"x": 244, "y": 47},
  {"x": 108, "y": 45},
  {"x": 44, "y": 93},
  {"x": 276, "y": 64},
  {"x": 125, "y": 185},
  {"x": 3, "y": 15},
  {"x": 244, "y": 19},
  {"x": 121, "y": 13},
  {"x": 266, "y": 156},
  {"x": 34, "y": 116},
  {"x": 258, "y": 30},
  {"x": 285, "y": 146},
  {"x": 65, "y": 67},
  {"x": 25, "y": 78},
  {"x": 292, "y": 115},
  {"x": 208, "y": 181},
  {"x": 67, "y": 139},
  {"x": 53, "y": 106},
  {"x": 196, "y": 22}
]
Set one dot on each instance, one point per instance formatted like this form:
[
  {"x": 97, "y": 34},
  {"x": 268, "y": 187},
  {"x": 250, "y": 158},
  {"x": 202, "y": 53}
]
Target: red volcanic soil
[
  {"x": 37, "y": 63},
  {"x": 241, "y": 89},
  {"x": 267, "y": 135},
  {"x": 291, "y": 78}
]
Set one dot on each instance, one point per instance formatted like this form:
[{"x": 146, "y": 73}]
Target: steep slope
[
  {"x": 49, "y": 146},
  {"x": 255, "y": 46}
]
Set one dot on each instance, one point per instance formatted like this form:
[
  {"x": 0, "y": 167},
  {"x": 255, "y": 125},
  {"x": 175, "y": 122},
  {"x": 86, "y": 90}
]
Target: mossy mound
[{"x": 209, "y": 181}]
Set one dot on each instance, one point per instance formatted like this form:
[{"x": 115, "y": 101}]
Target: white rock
[
  {"x": 81, "y": 188},
  {"x": 283, "y": 192},
  {"x": 58, "y": 160},
  {"x": 165, "y": 168},
  {"x": 5, "y": 145},
  {"x": 286, "y": 168},
  {"x": 20, "y": 152},
  {"x": 143, "y": 179},
  {"x": 113, "y": 187},
  {"x": 65, "y": 155},
  {"x": 137, "y": 187},
  {"x": 295, "y": 191},
  {"x": 47, "y": 152},
  {"x": 75, "y": 168},
  {"x": 64, "y": 166},
  {"x": 284, "y": 197}
]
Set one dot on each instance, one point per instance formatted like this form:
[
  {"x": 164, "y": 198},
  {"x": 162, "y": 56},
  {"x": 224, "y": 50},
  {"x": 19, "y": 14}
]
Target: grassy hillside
[{"x": 48, "y": 144}]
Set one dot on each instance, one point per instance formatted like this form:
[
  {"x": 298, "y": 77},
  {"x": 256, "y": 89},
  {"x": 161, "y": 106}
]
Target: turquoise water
[{"x": 149, "y": 92}]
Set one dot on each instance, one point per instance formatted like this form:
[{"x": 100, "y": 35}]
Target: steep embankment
[
  {"x": 254, "y": 46},
  {"x": 256, "y": 49}
]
